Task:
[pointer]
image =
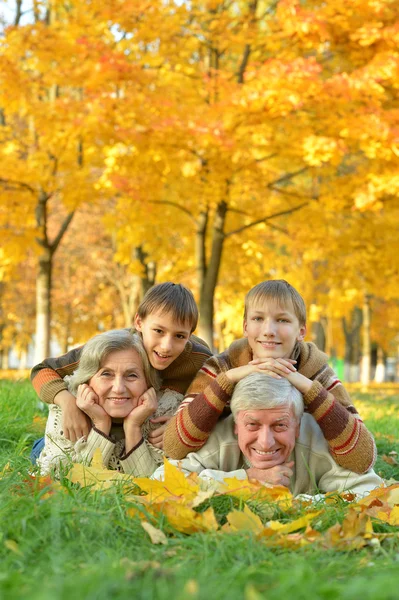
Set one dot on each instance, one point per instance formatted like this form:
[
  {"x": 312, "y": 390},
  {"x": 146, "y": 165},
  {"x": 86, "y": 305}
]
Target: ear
[
  {"x": 235, "y": 428},
  {"x": 298, "y": 428},
  {"x": 137, "y": 322},
  {"x": 244, "y": 327},
  {"x": 302, "y": 333}
]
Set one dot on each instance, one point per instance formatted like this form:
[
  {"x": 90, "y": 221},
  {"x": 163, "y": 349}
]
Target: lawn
[{"x": 62, "y": 542}]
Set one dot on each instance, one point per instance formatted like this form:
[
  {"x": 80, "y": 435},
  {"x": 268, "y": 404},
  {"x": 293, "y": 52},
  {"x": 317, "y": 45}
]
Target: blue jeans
[{"x": 37, "y": 447}]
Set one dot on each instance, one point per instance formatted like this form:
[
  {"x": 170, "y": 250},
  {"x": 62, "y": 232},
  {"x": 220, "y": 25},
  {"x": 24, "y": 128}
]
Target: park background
[
  {"x": 217, "y": 143},
  {"x": 213, "y": 143}
]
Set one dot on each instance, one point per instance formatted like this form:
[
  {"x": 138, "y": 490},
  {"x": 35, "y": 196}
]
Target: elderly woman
[
  {"x": 267, "y": 437},
  {"x": 116, "y": 387}
]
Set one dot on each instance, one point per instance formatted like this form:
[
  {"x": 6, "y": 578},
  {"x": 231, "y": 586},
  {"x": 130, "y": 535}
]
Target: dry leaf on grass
[
  {"x": 157, "y": 536},
  {"x": 97, "y": 476}
]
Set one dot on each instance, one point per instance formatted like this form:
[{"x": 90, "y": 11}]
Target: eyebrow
[{"x": 183, "y": 331}]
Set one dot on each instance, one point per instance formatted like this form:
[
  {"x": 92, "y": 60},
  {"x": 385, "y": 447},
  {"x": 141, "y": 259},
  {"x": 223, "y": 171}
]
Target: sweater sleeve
[
  {"x": 351, "y": 444},
  {"x": 200, "y": 410},
  {"x": 59, "y": 450},
  {"x": 142, "y": 460},
  {"x": 47, "y": 376}
]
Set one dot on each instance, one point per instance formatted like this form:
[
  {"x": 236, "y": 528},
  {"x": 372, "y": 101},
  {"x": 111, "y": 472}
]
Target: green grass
[{"x": 75, "y": 544}]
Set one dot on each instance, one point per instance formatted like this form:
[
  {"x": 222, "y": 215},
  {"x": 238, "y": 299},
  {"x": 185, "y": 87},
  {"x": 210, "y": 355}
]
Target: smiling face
[
  {"x": 164, "y": 339},
  {"x": 266, "y": 437},
  {"x": 272, "y": 330},
  {"x": 119, "y": 383}
]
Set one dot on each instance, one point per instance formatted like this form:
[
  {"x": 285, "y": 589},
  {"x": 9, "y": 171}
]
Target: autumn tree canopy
[{"x": 216, "y": 142}]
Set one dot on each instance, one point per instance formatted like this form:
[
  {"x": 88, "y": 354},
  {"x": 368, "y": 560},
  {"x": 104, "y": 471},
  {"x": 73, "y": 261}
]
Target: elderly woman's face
[
  {"x": 266, "y": 437},
  {"x": 119, "y": 383}
]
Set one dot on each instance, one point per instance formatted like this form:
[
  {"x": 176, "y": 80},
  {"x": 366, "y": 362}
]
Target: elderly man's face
[{"x": 266, "y": 437}]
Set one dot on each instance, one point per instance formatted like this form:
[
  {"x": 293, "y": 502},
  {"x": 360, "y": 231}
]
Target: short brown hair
[
  {"x": 280, "y": 291},
  {"x": 172, "y": 298}
]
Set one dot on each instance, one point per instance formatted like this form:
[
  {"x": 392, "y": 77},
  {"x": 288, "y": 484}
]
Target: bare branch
[
  {"x": 175, "y": 205},
  {"x": 18, "y": 184},
  {"x": 265, "y": 219},
  {"x": 61, "y": 232},
  {"x": 287, "y": 177}
]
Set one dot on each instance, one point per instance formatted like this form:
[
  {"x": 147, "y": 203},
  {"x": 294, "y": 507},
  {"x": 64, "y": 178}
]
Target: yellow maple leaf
[
  {"x": 284, "y": 528},
  {"x": 175, "y": 485},
  {"x": 96, "y": 475},
  {"x": 251, "y": 490},
  {"x": 244, "y": 520},
  {"x": 186, "y": 520}
]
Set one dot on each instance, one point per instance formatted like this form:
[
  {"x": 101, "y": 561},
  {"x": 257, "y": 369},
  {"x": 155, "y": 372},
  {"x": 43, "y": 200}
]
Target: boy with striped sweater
[{"x": 274, "y": 328}]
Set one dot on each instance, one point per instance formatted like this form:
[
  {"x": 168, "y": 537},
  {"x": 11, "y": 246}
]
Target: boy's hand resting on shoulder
[
  {"x": 278, "y": 475},
  {"x": 275, "y": 367},
  {"x": 87, "y": 401},
  {"x": 155, "y": 437}
]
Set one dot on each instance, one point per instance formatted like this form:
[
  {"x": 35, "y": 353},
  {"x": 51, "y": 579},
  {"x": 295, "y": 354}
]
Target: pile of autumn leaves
[{"x": 272, "y": 514}]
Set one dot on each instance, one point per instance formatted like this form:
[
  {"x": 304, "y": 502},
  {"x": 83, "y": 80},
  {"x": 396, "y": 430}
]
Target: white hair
[
  {"x": 99, "y": 347},
  {"x": 259, "y": 391}
]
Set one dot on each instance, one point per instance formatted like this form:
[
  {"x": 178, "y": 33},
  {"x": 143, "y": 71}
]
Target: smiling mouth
[
  {"x": 269, "y": 344},
  {"x": 162, "y": 356},
  {"x": 262, "y": 453},
  {"x": 118, "y": 400}
]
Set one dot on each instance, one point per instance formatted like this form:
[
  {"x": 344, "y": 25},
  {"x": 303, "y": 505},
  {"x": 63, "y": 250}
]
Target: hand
[
  {"x": 275, "y": 367},
  {"x": 87, "y": 401},
  {"x": 146, "y": 406},
  {"x": 156, "y": 437},
  {"x": 278, "y": 475},
  {"x": 75, "y": 423}
]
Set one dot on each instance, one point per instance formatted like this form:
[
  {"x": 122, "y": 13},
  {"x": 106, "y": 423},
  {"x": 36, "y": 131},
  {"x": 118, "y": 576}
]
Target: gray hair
[
  {"x": 259, "y": 391},
  {"x": 99, "y": 347}
]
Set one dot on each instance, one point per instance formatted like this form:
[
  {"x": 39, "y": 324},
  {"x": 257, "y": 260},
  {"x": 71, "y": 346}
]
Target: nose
[
  {"x": 118, "y": 384},
  {"x": 266, "y": 438},
  {"x": 166, "y": 344},
  {"x": 269, "y": 327}
]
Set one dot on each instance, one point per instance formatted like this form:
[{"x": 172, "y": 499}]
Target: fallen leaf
[
  {"x": 184, "y": 519},
  {"x": 244, "y": 520},
  {"x": 157, "y": 536},
  {"x": 13, "y": 546},
  {"x": 97, "y": 476},
  {"x": 389, "y": 459},
  {"x": 284, "y": 528}
]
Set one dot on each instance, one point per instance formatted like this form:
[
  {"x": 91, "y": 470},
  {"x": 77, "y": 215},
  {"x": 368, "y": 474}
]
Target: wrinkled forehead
[{"x": 267, "y": 415}]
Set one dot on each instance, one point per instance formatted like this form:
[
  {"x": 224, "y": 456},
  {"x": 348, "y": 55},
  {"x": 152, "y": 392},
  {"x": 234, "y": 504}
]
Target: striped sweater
[
  {"x": 349, "y": 441},
  {"x": 47, "y": 377}
]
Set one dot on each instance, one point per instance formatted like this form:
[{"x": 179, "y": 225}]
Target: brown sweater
[
  {"x": 47, "y": 377},
  {"x": 349, "y": 441}
]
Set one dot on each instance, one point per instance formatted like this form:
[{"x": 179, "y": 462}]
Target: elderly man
[{"x": 267, "y": 437}]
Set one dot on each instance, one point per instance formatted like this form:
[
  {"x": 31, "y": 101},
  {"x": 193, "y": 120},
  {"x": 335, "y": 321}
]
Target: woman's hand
[
  {"x": 146, "y": 406},
  {"x": 75, "y": 423},
  {"x": 87, "y": 401}
]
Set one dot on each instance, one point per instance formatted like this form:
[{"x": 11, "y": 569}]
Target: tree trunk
[
  {"x": 366, "y": 343},
  {"x": 318, "y": 334},
  {"x": 352, "y": 344},
  {"x": 208, "y": 286},
  {"x": 43, "y": 306},
  {"x": 379, "y": 376}
]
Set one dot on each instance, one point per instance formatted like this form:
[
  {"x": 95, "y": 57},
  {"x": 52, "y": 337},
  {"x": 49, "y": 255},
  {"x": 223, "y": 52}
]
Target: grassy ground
[{"x": 73, "y": 543}]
